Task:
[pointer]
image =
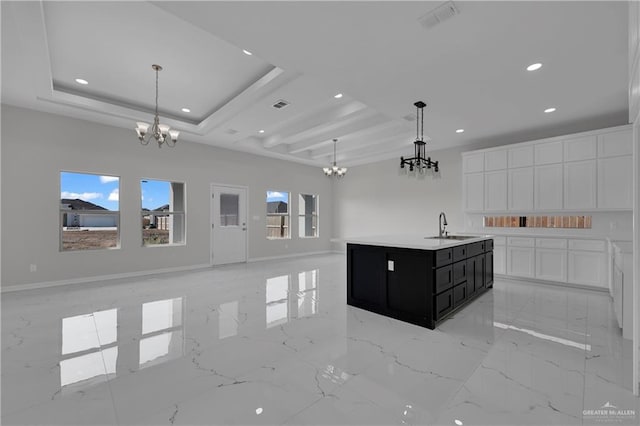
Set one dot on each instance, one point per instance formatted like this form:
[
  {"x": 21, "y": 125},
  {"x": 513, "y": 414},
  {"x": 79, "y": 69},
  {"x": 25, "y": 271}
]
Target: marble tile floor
[{"x": 275, "y": 343}]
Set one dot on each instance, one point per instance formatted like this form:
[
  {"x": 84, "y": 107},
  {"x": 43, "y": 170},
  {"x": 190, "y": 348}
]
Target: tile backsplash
[{"x": 579, "y": 222}]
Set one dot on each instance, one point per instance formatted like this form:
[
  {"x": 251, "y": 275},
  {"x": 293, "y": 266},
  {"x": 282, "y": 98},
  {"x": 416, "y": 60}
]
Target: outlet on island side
[{"x": 33, "y": 267}]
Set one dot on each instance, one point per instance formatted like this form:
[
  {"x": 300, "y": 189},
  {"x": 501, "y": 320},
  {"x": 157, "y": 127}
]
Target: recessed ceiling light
[
  {"x": 458, "y": 422},
  {"x": 260, "y": 131},
  {"x": 246, "y": 52},
  {"x": 338, "y": 96},
  {"x": 534, "y": 67},
  {"x": 81, "y": 81},
  {"x": 186, "y": 110},
  {"x": 548, "y": 110},
  {"x": 460, "y": 131}
]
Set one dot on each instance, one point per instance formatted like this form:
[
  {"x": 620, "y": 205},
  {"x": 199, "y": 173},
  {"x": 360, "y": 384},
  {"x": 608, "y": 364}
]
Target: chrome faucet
[{"x": 442, "y": 224}]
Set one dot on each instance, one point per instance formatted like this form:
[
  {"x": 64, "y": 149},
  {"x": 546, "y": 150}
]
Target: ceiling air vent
[
  {"x": 281, "y": 103},
  {"x": 438, "y": 15}
]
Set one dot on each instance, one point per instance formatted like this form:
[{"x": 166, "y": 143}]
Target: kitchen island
[{"x": 415, "y": 279}]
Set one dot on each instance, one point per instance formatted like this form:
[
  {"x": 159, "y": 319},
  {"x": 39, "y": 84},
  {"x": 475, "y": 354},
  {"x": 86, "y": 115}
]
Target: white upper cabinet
[
  {"x": 580, "y": 172},
  {"x": 547, "y": 187},
  {"x": 521, "y": 156},
  {"x": 474, "y": 192},
  {"x": 615, "y": 183},
  {"x": 473, "y": 163},
  {"x": 495, "y": 191},
  {"x": 495, "y": 160},
  {"x": 548, "y": 152},
  {"x": 520, "y": 185},
  {"x": 577, "y": 149},
  {"x": 580, "y": 185},
  {"x": 615, "y": 144}
]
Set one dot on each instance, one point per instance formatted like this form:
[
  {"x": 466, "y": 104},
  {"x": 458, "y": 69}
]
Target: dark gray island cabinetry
[{"x": 421, "y": 282}]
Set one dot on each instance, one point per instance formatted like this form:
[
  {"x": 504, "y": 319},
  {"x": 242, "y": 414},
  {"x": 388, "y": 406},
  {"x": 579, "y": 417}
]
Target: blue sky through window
[
  {"x": 104, "y": 190},
  {"x": 155, "y": 193},
  {"x": 277, "y": 196},
  {"x": 100, "y": 190}
]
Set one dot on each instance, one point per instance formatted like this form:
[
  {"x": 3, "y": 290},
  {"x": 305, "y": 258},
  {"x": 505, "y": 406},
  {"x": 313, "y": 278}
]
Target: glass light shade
[
  {"x": 142, "y": 127},
  {"x": 174, "y": 135},
  {"x": 164, "y": 128}
]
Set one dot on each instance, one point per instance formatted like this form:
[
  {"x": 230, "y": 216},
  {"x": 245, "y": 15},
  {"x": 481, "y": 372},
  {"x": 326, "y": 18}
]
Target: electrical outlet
[{"x": 33, "y": 267}]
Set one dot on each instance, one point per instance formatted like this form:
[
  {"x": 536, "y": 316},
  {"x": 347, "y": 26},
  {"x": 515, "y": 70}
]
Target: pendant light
[
  {"x": 419, "y": 161},
  {"x": 334, "y": 170},
  {"x": 160, "y": 132}
]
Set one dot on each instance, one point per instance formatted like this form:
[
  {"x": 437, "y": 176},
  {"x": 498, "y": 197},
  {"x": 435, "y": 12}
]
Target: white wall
[
  {"x": 36, "y": 146},
  {"x": 381, "y": 199}
]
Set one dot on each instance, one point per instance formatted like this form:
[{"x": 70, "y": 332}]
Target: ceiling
[{"x": 469, "y": 69}]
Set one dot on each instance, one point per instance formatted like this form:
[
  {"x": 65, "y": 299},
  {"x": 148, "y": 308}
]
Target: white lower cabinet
[
  {"x": 499, "y": 260},
  {"x": 520, "y": 261},
  {"x": 551, "y": 264},
  {"x": 587, "y": 268}
]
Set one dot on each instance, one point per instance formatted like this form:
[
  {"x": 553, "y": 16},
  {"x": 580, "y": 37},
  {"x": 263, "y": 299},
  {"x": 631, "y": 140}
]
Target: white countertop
[{"x": 412, "y": 241}]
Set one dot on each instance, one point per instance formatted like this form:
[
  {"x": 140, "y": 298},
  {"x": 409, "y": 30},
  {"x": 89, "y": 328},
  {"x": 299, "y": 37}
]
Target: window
[
  {"x": 163, "y": 220},
  {"x": 277, "y": 215},
  {"x": 308, "y": 216},
  {"x": 89, "y": 211}
]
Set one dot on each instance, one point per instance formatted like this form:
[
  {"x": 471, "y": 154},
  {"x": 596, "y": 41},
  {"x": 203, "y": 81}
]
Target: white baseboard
[
  {"x": 47, "y": 284},
  {"x": 552, "y": 283},
  {"x": 288, "y": 256}
]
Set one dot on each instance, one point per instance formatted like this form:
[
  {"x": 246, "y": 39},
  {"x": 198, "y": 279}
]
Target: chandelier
[
  {"x": 334, "y": 170},
  {"x": 419, "y": 161},
  {"x": 160, "y": 132}
]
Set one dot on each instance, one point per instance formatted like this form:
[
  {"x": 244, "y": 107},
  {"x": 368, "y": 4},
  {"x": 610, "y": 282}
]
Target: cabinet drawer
[
  {"x": 521, "y": 242},
  {"x": 554, "y": 243},
  {"x": 499, "y": 241},
  {"x": 459, "y": 295},
  {"x": 444, "y": 279},
  {"x": 488, "y": 245},
  {"x": 587, "y": 245},
  {"x": 459, "y": 272},
  {"x": 459, "y": 253},
  {"x": 443, "y": 304},
  {"x": 443, "y": 257},
  {"x": 475, "y": 249}
]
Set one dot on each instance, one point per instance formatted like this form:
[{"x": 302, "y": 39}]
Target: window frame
[
  {"x": 62, "y": 212},
  {"x": 313, "y": 215},
  {"x": 287, "y": 215},
  {"x": 171, "y": 213}
]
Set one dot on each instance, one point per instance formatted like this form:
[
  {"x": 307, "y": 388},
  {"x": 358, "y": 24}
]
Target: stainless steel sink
[{"x": 452, "y": 237}]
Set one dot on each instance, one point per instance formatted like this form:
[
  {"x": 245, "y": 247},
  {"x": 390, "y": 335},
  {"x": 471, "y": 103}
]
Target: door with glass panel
[{"x": 228, "y": 224}]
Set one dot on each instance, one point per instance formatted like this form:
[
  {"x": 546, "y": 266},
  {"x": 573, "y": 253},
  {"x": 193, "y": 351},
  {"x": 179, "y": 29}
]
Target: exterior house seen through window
[
  {"x": 163, "y": 207},
  {"x": 308, "y": 216},
  {"x": 278, "y": 215},
  {"x": 89, "y": 211}
]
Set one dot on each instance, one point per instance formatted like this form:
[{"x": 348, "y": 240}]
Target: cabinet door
[
  {"x": 488, "y": 269},
  {"x": 495, "y": 191},
  {"x": 473, "y": 163},
  {"x": 443, "y": 304},
  {"x": 366, "y": 279},
  {"x": 615, "y": 183},
  {"x": 459, "y": 294},
  {"x": 480, "y": 272},
  {"x": 499, "y": 260},
  {"x": 407, "y": 289},
  {"x": 587, "y": 268},
  {"x": 581, "y": 148},
  {"x": 521, "y": 156},
  {"x": 548, "y": 153},
  {"x": 615, "y": 144},
  {"x": 521, "y": 189},
  {"x": 471, "y": 276},
  {"x": 520, "y": 261},
  {"x": 495, "y": 160},
  {"x": 547, "y": 187},
  {"x": 551, "y": 264},
  {"x": 580, "y": 185},
  {"x": 474, "y": 192}
]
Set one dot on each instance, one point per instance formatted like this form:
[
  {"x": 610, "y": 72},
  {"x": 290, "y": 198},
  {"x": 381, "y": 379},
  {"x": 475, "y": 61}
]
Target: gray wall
[
  {"x": 382, "y": 199},
  {"x": 36, "y": 146}
]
